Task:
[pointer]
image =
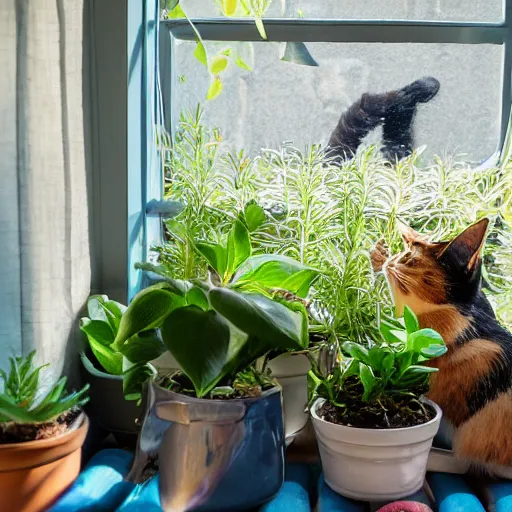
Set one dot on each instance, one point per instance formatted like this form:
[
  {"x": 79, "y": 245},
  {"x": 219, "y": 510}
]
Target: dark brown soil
[
  {"x": 179, "y": 383},
  {"x": 20, "y": 432},
  {"x": 397, "y": 411}
]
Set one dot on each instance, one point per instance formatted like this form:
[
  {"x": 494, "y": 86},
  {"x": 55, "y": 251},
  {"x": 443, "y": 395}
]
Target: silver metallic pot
[{"x": 214, "y": 455}]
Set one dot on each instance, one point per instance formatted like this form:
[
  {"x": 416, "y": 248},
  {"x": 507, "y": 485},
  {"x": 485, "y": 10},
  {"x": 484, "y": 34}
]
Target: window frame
[{"x": 150, "y": 64}]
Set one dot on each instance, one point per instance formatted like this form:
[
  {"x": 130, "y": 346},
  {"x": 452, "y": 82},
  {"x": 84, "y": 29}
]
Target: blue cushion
[
  {"x": 294, "y": 494},
  {"x": 329, "y": 501},
  {"x": 453, "y": 494},
  {"x": 501, "y": 495},
  {"x": 100, "y": 487},
  {"x": 144, "y": 497}
]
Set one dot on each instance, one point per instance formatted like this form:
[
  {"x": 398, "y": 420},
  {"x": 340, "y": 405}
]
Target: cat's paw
[{"x": 379, "y": 255}]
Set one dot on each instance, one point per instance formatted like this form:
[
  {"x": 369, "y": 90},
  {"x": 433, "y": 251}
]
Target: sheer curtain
[{"x": 44, "y": 235}]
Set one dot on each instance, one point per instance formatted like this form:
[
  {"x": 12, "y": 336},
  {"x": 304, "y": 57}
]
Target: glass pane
[
  {"x": 446, "y": 10},
  {"x": 282, "y": 101}
]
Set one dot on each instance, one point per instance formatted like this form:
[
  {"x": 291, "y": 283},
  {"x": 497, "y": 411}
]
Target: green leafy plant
[
  {"x": 220, "y": 326},
  {"x": 330, "y": 216},
  {"x": 382, "y": 380},
  {"x": 217, "y": 64},
  {"x": 22, "y": 401},
  {"x": 131, "y": 361}
]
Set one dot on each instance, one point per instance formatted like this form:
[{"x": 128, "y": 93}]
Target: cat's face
[{"x": 427, "y": 275}]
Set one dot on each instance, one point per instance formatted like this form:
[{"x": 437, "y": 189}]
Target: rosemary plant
[{"x": 330, "y": 216}]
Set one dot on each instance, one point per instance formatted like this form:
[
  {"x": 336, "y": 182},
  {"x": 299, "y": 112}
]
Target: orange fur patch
[
  {"x": 485, "y": 436},
  {"x": 459, "y": 370},
  {"x": 447, "y": 321}
]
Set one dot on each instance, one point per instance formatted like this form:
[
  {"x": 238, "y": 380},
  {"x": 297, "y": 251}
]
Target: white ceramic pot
[
  {"x": 374, "y": 464},
  {"x": 291, "y": 371}
]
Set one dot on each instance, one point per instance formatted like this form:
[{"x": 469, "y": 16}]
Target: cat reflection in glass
[{"x": 394, "y": 111}]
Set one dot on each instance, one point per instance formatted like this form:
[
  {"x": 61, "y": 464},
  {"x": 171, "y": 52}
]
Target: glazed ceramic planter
[
  {"x": 214, "y": 455},
  {"x": 33, "y": 474},
  {"x": 291, "y": 371},
  {"x": 374, "y": 464}
]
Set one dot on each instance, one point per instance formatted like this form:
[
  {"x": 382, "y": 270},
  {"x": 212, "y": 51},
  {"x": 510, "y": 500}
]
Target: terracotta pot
[{"x": 33, "y": 474}]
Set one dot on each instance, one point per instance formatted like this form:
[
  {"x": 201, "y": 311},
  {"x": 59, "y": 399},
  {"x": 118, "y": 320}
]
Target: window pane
[
  {"x": 280, "y": 101},
  {"x": 446, "y": 10}
]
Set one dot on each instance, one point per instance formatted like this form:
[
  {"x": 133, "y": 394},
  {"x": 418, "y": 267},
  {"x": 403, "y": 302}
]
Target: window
[{"x": 360, "y": 47}]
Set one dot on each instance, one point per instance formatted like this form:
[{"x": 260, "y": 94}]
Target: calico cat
[
  {"x": 393, "y": 110},
  {"x": 441, "y": 283}
]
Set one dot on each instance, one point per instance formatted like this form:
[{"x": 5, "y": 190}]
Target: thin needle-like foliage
[{"x": 330, "y": 216}]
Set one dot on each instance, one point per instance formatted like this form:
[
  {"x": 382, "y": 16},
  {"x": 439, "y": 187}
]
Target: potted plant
[
  {"x": 277, "y": 276},
  {"x": 115, "y": 403},
  {"x": 222, "y": 404},
  {"x": 41, "y": 436},
  {"x": 373, "y": 426}
]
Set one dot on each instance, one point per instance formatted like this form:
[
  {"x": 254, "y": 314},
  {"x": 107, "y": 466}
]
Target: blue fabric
[
  {"x": 453, "y": 494},
  {"x": 329, "y": 501},
  {"x": 501, "y": 496},
  {"x": 144, "y": 497},
  {"x": 294, "y": 494},
  {"x": 100, "y": 487}
]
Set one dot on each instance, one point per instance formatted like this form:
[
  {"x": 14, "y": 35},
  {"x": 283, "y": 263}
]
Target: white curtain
[{"x": 44, "y": 235}]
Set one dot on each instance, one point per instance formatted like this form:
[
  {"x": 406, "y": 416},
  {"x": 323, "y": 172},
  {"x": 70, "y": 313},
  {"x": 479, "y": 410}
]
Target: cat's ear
[
  {"x": 409, "y": 235},
  {"x": 465, "y": 249}
]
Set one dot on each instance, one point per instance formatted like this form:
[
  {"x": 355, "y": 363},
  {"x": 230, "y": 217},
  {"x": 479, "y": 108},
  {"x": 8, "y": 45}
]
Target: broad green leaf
[
  {"x": 356, "y": 351},
  {"x": 114, "y": 311},
  {"x": 403, "y": 361},
  {"x": 261, "y": 28},
  {"x": 411, "y": 322},
  {"x": 215, "y": 88},
  {"x": 218, "y": 64},
  {"x": 418, "y": 370},
  {"x": 176, "y": 286},
  {"x": 134, "y": 378},
  {"x": 423, "y": 338},
  {"x": 391, "y": 333},
  {"x": 215, "y": 254},
  {"x": 228, "y": 7},
  {"x": 258, "y": 316},
  {"x": 300, "y": 283},
  {"x": 148, "y": 309},
  {"x": 254, "y": 215},
  {"x": 297, "y": 53},
  {"x": 98, "y": 330},
  {"x": 200, "y": 53},
  {"x": 143, "y": 347},
  {"x": 95, "y": 309},
  {"x": 199, "y": 341},
  {"x": 276, "y": 271},
  {"x": 433, "y": 351},
  {"x": 241, "y": 64},
  {"x": 368, "y": 380},
  {"x": 239, "y": 246},
  {"x": 376, "y": 357},
  {"x": 197, "y": 297},
  {"x": 111, "y": 361},
  {"x": 400, "y": 335},
  {"x": 176, "y": 12}
]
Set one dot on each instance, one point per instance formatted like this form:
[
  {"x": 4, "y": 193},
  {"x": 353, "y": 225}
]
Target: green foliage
[
  {"x": 21, "y": 400},
  {"x": 330, "y": 217},
  {"x": 218, "y": 63},
  {"x": 217, "y": 328},
  {"x": 132, "y": 360},
  {"x": 395, "y": 366}
]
